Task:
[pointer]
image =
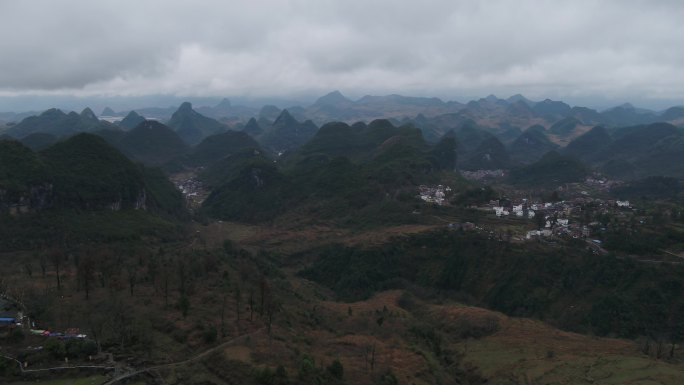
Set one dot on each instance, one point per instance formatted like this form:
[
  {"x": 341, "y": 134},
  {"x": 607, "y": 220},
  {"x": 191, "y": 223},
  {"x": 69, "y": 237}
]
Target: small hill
[
  {"x": 253, "y": 191},
  {"x": 664, "y": 158},
  {"x": 374, "y": 168},
  {"x": 491, "y": 154},
  {"x": 519, "y": 98},
  {"x": 108, "y": 112},
  {"x": 152, "y": 143},
  {"x": 334, "y": 98},
  {"x": 224, "y": 104},
  {"x": 619, "y": 169},
  {"x": 469, "y": 138},
  {"x": 89, "y": 116},
  {"x": 654, "y": 187},
  {"x": 631, "y": 142},
  {"x": 673, "y": 113},
  {"x": 356, "y": 142},
  {"x": 551, "y": 108},
  {"x": 586, "y": 115},
  {"x": 287, "y": 134},
  {"x": 444, "y": 153},
  {"x": 192, "y": 126},
  {"x": 383, "y": 102},
  {"x": 508, "y": 133},
  {"x": 131, "y": 121},
  {"x": 38, "y": 141},
  {"x": 334, "y": 139},
  {"x": 219, "y": 146},
  {"x": 565, "y": 127},
  {"x": 111, "y": 136},
  {"x": 530, "y": 146},
  {"x": 89, "y": 174},
  {"x": 552, "y": 169},
  {"x": 269, "y": 113},
  {"x": 520, "y": 109},
  {"x": 21, "y": 171},
  {"x": 57, "y": 123},
  {"x": 626, "y": 115},
  {"x": 252, "y": 128},
  {"x": 83, "y": 190},
  {"x": 590, "y": 144}
]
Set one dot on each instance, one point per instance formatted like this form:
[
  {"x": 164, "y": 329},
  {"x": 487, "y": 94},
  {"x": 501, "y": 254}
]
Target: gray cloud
[{"x": 610, "y": 49}]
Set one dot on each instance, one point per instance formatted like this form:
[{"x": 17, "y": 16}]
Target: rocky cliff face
[{"x": 38, "y": 197}]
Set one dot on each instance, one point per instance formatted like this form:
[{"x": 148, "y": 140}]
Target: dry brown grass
[{"x": 384, "y": 300}]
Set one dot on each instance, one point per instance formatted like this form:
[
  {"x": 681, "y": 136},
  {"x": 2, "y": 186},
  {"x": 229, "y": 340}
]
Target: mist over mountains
[{"x": 489, "y": 133}]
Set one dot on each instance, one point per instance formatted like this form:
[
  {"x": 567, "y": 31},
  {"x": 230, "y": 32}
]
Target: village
[
  {"x": 563, "y": 218},
  {"x": 192, "y": 189},
  {"x": 436, "y": 194},
  {"x": 574, "y": 217}
]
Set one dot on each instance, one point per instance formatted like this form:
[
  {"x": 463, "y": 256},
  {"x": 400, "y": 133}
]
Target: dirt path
[
  {"x": 180, "y": 363},
  {"x": 21, "y": 367}
]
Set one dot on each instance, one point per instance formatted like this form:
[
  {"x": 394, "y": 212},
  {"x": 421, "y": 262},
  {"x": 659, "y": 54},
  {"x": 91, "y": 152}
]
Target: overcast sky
[{"x": 580, "y": 51}]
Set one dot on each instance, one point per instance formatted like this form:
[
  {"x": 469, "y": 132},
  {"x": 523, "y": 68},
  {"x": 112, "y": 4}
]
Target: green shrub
[{"x": 336, "y": 369}]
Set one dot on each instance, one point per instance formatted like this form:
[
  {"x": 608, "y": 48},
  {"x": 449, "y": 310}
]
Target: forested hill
[
  {"x": 574, "y": 290},
  {"x": 342, "y": 170},
  {"x": 82, "y": 172}
]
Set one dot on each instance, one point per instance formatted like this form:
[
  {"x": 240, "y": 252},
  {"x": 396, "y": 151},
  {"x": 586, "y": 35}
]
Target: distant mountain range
[
  {"x": 491, "y": 112},
  {"x": 489, "y": 133}
]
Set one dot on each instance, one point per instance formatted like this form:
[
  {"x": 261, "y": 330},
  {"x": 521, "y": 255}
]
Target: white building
[{"x": 500, "y": 211}]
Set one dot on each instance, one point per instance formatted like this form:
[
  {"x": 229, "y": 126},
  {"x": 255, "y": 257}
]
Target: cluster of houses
[
  {"x": 483, "y": 174},
  {"x": 192, "y": 189},
  {"x": 601, "y": 183},
  {"x": 521, "y": 210},
  {"x": 557, "y": 215},
  {"x": 559, "y": 226},
  {"x": 435, "y": 194}
]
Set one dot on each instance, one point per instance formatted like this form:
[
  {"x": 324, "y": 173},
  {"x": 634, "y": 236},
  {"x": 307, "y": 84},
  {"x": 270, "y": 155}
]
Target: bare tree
[
  {"x": 86, "y": 270},
  {"x": 225, "y": 288},
  {"x": 43, "y": 262},
  {"x": 238, "y": 301},
  {"x": 28, "y": 266},
  {"x": 56, "y": 257},
  {"x": 96, "y": 321},
  {"x": 263, "y": 292},
  {"x": 131, "y": 274},
  {"x": 272, "y": 307},
  {"x": 251, "y": 304},
  {"x": 153, "y": 270},
  {"x": 166, "y": 277}
]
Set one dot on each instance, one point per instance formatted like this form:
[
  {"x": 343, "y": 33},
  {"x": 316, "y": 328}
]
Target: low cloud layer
[{"x": 629, "y": 50}]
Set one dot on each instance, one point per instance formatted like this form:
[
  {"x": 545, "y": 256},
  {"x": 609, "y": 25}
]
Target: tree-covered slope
[
  {"x": 375, "y": 163},
  {"x": 57, "y": 123},
  {"x": 131, "y": 121},
  {"x": 216, "y": 147},
  {"x": 192, "y": 126},
  {"x": 552, "y": 169},
  {"x": 152, "y": 143},
  {"x": 530, "y": 146},
  {"x": 590, "y": 144},
  {"x": 20, "y": 170},
  {"x": 286, "y": 134}
]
